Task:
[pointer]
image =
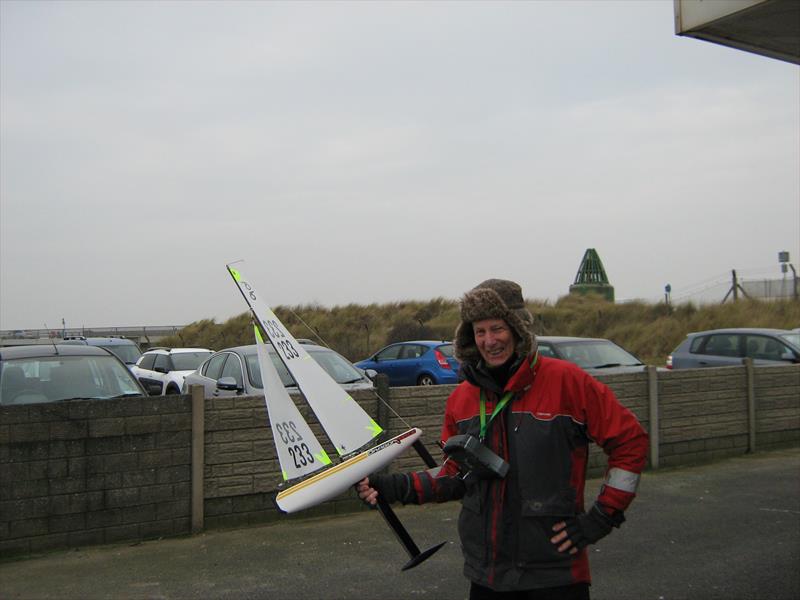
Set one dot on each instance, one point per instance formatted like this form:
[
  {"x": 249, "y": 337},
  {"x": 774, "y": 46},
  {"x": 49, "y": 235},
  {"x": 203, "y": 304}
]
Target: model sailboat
[{"x": 344, "y": 422}]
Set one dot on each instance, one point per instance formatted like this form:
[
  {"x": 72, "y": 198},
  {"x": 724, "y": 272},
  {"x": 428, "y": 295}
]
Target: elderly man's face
[{"x": 495, "y": 341}]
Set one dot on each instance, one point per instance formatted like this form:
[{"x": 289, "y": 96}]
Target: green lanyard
[
  {"x": 503, "y": 401},
  {"x": 500, "y": 405}
]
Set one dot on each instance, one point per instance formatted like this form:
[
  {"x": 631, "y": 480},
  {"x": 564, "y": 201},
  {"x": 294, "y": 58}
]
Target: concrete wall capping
[{"x": 84, "y": 473}]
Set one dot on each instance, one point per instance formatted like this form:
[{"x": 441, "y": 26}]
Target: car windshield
[
  {"x": 337, "y": 367},
  {"x": 597, "y": 354},
  {"x": 188, "y": 361},
  {"x": 57, "y": 378},
  {"x": 793, "y": 338},
  {"x": 128, "y": 353}
]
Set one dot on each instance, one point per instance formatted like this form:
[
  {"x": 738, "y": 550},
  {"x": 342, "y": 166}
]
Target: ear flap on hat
[{"x": 464, "y": 344}]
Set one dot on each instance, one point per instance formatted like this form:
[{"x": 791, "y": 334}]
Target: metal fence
[{"x": 771, "y": 289}]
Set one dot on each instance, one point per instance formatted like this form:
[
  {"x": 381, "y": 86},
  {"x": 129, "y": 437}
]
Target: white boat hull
[{"x": 337, "y": 479}]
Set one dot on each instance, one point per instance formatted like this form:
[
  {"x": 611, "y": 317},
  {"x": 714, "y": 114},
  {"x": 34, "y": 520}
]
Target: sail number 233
[
  {"x": 273, "y": 329},
  {"x": 279, "y": 340},
  {"x": 300, "y": 453}
]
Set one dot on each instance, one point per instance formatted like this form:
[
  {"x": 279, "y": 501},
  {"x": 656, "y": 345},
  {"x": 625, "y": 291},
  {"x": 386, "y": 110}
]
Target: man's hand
[
  {"x": 368, "y": 494},
  {"x": 393, "y": 487},
  {"x": 578, "y": 532}
]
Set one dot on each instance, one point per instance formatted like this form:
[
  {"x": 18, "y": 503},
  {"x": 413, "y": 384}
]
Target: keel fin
[{"x": 416, "y": 557}]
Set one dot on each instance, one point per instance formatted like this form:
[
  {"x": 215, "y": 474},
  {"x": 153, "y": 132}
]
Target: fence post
[
  {"x": 198, "y": 456},
  {"x": 751, "y": 404},
  {"x": 652, "y": 396}
]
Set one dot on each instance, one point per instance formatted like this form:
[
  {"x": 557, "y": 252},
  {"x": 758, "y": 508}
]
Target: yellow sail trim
[
  {"x": 374, "y": 428},
  {"x": 320, "y": 476}
]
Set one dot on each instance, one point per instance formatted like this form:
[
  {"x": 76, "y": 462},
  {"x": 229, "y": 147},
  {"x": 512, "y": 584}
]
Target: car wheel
[
  {"x": 172, "y": 389},
  {"x": 425, "y": 380}
]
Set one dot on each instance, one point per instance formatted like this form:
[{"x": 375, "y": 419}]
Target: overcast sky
[{"x": 376, "y": 152}]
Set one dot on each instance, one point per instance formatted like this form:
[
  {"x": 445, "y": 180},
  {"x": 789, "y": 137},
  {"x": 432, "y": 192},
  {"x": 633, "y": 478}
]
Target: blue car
[{"x": 418, "y": 362}]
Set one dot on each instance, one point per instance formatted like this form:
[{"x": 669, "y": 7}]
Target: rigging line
[
  {"x": 327, "y": 345},
  {"x": 311, "y": 329},
  {"x": 389, "y": 406}
]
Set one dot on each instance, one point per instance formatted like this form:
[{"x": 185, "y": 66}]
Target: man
[{"x": 525, "y": 532}]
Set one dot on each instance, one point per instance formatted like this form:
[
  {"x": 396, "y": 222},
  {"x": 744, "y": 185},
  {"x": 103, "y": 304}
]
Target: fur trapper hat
[{"x": 494, "y": 299}]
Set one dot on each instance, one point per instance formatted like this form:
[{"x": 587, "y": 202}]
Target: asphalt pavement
[{"x": 727, "y": 530}]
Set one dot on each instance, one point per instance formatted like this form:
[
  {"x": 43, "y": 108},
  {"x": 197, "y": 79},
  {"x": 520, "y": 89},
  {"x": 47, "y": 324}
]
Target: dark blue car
[{"x": 418, "y": 362}]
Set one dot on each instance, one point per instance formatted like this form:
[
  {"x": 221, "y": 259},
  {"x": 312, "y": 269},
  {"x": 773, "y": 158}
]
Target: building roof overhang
[{"x": 767, "y": 27}]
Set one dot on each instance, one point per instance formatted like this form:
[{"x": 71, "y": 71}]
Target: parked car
[
  {"x": 127, "y": 350},
  {"x": 57, "y": 373},
  {"x": 594, "y": 355},
  {"x": 162, "y": 370},
  {"x": 235, "y": 371},
  {"x": 723, "y": 347},
  {"x": 417, "y": 362}
]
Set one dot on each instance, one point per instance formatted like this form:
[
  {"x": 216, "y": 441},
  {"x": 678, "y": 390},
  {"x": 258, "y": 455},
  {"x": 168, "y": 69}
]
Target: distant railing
[{"x": 143, "y": 334}]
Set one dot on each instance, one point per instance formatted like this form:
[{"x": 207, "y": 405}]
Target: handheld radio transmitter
[{"x": 475, "y": 459}]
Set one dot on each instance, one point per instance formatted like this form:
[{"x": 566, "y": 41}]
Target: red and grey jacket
[{"x": 555, "y": 410}]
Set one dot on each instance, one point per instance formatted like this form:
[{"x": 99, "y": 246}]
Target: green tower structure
[{"x": 592, "y": 278}]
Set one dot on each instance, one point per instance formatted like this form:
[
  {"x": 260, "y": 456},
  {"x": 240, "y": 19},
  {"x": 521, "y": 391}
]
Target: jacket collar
[{"x": 522, "y": 375}]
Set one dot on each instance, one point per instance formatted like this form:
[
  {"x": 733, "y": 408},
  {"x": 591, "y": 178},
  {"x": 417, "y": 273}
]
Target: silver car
[
  {"x": 724, "y": 347},
  {"x": 235, "y": 371},
  {"x": 593, "y": 355}
]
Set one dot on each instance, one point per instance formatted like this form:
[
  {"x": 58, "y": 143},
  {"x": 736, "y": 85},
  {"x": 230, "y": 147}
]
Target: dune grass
[{"x": 648, "y": 330}]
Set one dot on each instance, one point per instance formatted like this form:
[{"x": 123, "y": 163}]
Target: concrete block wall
[
  {"x": 703, "y": 415},
  {"x": 83, "y": 473},
  {"x": 777, "y": 395}
]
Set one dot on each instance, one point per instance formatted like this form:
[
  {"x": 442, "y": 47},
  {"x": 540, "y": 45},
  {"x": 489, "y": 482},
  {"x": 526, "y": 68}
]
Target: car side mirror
[
  {"x": 789, "y": 357},
  {"x": 371, "y": 373},
  {"x": 228, "y": 384}
]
